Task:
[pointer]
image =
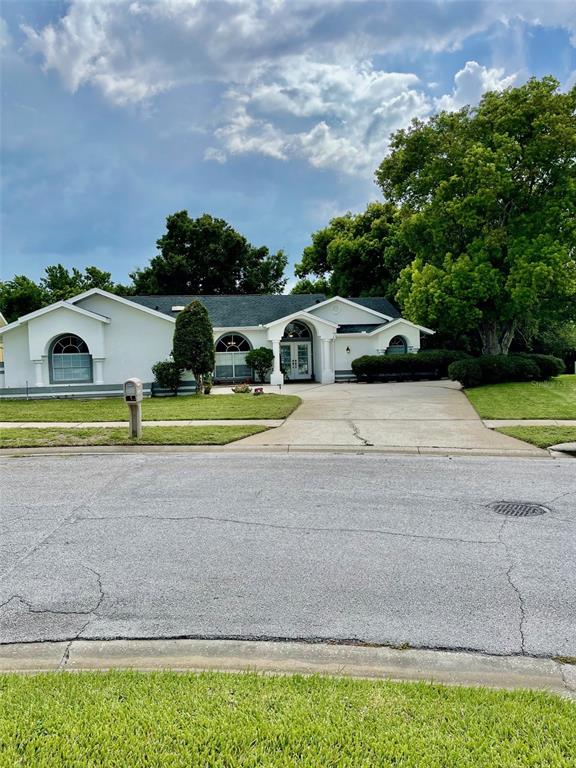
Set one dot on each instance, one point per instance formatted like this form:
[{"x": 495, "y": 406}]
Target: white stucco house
[{"x": 89, "y": 344}]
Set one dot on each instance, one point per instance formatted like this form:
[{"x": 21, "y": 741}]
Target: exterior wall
[
  {"x": 363, "y": 344},
  {"x": 411, "y": 334},
  {"x": 345, "y": 314},
  {"x": 133, "y": 341},
  {"x": 44, "y": 329},
  {"x": 19, "y": 369}
]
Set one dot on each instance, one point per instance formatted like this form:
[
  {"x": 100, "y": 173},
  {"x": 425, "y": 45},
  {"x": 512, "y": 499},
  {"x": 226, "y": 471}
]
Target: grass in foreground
[
  {"x": 49, "y": 437},
  {"x": 267, "y": 406},
  {"x": 226, "y": 720},
  {"x": 543, "y": 437},
  {"x": 555, "y": 399}
]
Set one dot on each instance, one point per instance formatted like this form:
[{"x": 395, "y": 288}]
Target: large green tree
[
  {"x": 193, "y": 342},
  {"x": 355, "y": 255},
  {"x": 60, "y": 283},
  {"x": 20, "y": 296},
  {"x": 207, "y": 256},
  {"x": 490, "y": 196}
]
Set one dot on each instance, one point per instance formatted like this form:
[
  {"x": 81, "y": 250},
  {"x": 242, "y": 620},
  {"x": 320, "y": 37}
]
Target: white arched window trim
[
  {"x": 230, "y": 362},
  {"x": 70, "y": 361}
]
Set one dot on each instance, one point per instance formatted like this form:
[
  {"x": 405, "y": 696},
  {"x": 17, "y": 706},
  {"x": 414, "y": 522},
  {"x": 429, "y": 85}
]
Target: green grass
[
  {"x": 555, "y": 399},
  {"x": 267, "y": 406},
  {"x": 543, "y": 437},
  {"x": 215, "y": 720},
  {"x": 49, "y": 437}
]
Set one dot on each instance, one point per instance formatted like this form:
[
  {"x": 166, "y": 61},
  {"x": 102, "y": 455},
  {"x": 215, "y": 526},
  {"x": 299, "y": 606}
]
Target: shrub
[
  {"x": 261, "y": 360},
  {"x": 167, "y": 375},
  {"x": 440, "y": 359},
  {"x": 467, "y": 372},
  {"x": 370, "y": 367},
  {"x": 549, "y": 365},
  {"x": 242, "y": 389},
  {"x": 193, "y": 342},
  {"x": 495, "y": 369}
]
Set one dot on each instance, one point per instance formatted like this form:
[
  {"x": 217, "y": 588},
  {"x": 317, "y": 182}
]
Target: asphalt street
[{"x": 381, "y": 549}]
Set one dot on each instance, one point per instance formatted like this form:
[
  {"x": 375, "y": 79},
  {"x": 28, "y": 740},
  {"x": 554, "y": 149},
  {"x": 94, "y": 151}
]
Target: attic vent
[{"x": 177, "y": 308}]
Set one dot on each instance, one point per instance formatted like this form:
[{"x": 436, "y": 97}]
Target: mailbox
[{"x": 133, "y": 391}]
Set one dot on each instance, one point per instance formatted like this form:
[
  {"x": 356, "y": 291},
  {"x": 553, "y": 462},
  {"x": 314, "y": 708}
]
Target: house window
[
  {"x": 70, "y": 360},
  {"x": 231, "y": 357},
  {"x": 397, "y": 346},
  {"x": 296, "y": 330}
]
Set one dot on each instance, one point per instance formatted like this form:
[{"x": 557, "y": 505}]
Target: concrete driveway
[{"x": 415, "y": 417}]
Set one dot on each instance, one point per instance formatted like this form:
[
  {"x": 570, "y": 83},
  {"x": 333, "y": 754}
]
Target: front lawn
[
  {"x": 216, "y": 720},
  {"x": 543, "y": 437},
  {"x": 555, "y": 399},
  {"x": 269, "y": 406},
  {"x": 49, "y": 437}
]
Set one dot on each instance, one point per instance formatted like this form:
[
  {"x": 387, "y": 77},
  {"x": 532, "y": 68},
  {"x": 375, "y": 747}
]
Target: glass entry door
[{"x": 296, "y": 360}]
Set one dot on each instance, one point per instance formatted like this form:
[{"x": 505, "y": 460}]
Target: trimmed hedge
[
  {"x": 497, "y": 369},
  {"x": 432, "y": 363}
]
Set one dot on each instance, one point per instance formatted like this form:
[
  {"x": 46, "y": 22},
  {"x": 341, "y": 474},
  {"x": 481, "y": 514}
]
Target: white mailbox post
[{"x": 133, "y": 398}]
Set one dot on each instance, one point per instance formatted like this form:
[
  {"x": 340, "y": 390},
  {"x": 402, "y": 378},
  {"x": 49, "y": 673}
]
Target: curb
[
  {"x": 534, "y": 453},
  {"x": 271, "y": 657}
]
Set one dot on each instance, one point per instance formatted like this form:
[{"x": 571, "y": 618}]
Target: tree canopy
[
  {"x": 355, "y": 255},
  {"x": 21, "y": 295},
  {"x": 490, "y": 201},
  {"x": 207, "y": 256}
]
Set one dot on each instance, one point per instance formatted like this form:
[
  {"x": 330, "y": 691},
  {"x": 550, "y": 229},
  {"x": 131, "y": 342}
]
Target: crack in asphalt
[
  {"x": 515, "y": 588},
  {"x": 56, "y": 612},
  {"x": 302, "y": 529},
  {"x": 358, "y": 436}
]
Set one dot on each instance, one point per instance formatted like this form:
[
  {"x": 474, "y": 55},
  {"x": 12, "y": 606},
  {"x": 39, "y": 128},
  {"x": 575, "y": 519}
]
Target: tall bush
[
  {"x": 261, "y": 360},
  {"x": 193, "y": 343}
]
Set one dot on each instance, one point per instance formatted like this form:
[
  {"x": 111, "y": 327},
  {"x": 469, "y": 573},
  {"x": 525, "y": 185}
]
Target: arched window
[
  {"x": 397, "y": 346},
  {"x": 70, "y": 360},
  {"x": 230, "y": 363},
  {"x": 296, "y": 330},
  {"x": 233, "y": 342}
]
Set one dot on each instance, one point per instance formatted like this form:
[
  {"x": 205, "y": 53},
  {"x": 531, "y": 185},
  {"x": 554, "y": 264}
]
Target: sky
[{"x": 271, "y": 114}]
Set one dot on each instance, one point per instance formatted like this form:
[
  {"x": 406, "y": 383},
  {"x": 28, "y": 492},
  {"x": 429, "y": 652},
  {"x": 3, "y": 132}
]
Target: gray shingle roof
[{"x": 238, "y": 311}]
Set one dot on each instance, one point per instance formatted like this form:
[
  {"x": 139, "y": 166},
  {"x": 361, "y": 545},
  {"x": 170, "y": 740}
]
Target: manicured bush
[
  {"x": 193, "y": 342},
  {"x": 467, "y": 372},
  {"x": 440, "y": 359},
  {"x": 549, "y": 365},
  {"x": 496, "y": 369},
  {"x": 261, "y": 360},
  {"x": 242, "y": 389},
  {"x": 167, "y": 375}
]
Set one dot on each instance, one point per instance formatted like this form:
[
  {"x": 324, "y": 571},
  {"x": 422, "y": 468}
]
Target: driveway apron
[{"x": 410, "y": 415}]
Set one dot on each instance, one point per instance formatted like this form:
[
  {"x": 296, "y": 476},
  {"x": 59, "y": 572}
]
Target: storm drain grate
[{"x": 518, "y": 508}]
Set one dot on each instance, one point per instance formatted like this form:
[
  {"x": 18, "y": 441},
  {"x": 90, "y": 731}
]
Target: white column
[
  {"x": 327, "y": 367},
  {"x": 98, "y": 370},
  {"x": 38, "y": 372},
  {"x": 276, "y": 378}
]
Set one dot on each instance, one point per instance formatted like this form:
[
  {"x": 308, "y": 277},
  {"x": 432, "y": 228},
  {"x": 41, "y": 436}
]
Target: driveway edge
[{"x": 269, "y": 657}]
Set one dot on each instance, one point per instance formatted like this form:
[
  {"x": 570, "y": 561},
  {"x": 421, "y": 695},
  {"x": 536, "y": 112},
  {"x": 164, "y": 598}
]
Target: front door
[{"x": 296, "y": 360}]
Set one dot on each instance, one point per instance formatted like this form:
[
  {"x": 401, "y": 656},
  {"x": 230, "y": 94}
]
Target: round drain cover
[{"x": 518, "y": 508}]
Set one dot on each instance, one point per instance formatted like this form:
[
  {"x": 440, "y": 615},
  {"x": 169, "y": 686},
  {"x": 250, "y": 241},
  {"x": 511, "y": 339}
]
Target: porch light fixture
[{"x": 348, "y": 350}]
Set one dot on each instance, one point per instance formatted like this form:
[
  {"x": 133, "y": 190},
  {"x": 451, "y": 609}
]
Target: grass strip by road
[
  {"x": 554, "y": 399},
  {"x": 225, "y": 720},
  {"x": 543, "y": 437},
  {"x": 268, "y": 406},
  {"x": 49, "y": 437}
]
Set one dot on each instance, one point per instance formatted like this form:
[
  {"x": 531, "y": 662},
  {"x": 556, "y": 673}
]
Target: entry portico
[
  {"x": 90, "y": 343},
  {"x": 302, "y": 344}
]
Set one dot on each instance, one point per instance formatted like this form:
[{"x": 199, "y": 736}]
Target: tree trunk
[{"x": 497, "y": 337}]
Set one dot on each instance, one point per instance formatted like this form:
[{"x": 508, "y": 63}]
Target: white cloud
[
  {"x": 5, "y": 39},
  {"x": 298, "y": 75},
  {"x": 215, "y": 154},
  {"x": 471, "y": 82}
]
